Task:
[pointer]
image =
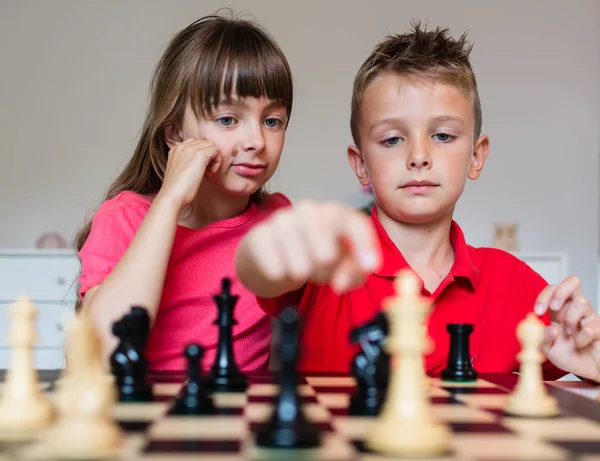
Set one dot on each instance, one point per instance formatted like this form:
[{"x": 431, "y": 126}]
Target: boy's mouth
[{"x": 419, "y": 186}]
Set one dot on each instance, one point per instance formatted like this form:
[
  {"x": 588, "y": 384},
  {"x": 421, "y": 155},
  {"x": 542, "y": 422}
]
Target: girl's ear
[{"x": 172, "y": 136}]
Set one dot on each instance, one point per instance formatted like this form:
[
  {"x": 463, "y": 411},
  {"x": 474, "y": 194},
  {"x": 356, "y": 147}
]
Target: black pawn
[
  {"x": 459, "y": 367},
  {"x": 288, "y": 427},
  {"x": 194, "y": 398},
  {"x": 224, "y": 374},
  {"x": 128, "y": 361}
]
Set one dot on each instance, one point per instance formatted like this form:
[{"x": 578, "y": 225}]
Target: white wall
[{"x": 74, "y": 82}]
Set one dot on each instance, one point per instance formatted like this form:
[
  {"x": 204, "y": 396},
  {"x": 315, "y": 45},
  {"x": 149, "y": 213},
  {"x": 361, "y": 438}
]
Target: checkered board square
[{"x": 473, "y": 412}]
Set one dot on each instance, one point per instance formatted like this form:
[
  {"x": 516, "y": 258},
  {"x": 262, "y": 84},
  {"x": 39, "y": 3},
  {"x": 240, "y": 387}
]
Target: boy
[{"x": 416, "y": 124}]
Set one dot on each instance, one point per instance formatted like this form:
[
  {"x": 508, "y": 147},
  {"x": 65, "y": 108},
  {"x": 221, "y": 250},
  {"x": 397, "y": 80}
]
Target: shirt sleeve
[
  {"x": 274, "y": 306},
  {"x": 113, "y": 227}
]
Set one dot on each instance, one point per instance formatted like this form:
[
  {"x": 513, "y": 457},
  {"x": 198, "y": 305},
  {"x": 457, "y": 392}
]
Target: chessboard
[{"x": 479, "y": 429}]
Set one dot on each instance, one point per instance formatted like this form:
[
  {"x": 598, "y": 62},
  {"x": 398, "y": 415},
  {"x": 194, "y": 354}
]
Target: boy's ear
[
  {"x": 480, "y": 155},
  {"x": 357, "y": 162},
  {"x": 172, "y": 136}
]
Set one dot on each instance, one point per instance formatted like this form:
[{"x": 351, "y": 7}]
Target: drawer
[
  {"x": 43, "y": 358},
  {"x": 48, "y": 323},
  {"x": 40, "y": 277}
]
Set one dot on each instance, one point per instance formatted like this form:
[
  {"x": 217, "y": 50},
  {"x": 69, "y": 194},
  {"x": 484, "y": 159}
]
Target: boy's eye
[
  {"x": 226, "y": 121},
  {"x": 392, "y": 141},
  {"x": 443, "y": 137},
  {"x": 272, "y": 122}
]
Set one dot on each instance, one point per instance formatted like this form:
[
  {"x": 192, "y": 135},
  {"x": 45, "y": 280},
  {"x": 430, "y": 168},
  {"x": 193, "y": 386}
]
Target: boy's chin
[{"x": 420, "y": 218}]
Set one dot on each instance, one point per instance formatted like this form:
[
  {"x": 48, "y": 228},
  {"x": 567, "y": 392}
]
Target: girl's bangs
[{"x": 244, "y": 67}]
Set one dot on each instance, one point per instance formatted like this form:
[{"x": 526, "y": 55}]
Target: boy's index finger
[
  {"x": 567, "y": 289},
  {"x": 362, "y": 237},
  {"x": 543, "y": 300}
]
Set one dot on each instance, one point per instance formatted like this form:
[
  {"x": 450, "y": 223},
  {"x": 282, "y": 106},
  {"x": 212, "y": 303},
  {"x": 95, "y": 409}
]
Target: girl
[{"x": 165, "y": 236}]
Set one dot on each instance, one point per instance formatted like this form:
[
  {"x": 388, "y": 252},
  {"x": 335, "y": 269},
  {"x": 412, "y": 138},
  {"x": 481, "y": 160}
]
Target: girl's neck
[
  {"x": 210, "y": 206},
  {"x": 425, "y": 247}
]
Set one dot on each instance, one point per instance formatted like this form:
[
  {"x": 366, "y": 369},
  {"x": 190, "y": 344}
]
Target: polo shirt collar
[{"x": 393, "y": 261}]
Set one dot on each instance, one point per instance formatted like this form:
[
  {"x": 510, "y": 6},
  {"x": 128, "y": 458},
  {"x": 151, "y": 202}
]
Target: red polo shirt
[{"x": 486, "y": 287}]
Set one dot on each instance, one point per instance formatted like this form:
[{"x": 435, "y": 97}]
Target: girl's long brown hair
[{"x": 213, "y": 58}]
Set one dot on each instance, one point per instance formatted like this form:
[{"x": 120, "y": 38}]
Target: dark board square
[
  {"x": 163, "y": 398},
  {"x": 156, "y": 377},
  {"x": 134, "y": 426},
  {"x": 478, "y": 428},
  {"x": 273, "y": 398},
  {"x": 265, "y": 377},
  {"x": 474, "y": 390},
  {"x": 342, "y": 411},
  {"x": 193, "y": 446},
  {"x": 219, "y": 411},
  {"x": 270, "y": 378},
  {"x": 229, "y": 411},
  {"x": 578, "y": 447},
  {"x": 334, "y": 389},
  {"x": 441, "y": 400},
  {"x": 323, "y": 426},
  {"x": 445, "y": 400},
  {"x": 499, "y": 412}
]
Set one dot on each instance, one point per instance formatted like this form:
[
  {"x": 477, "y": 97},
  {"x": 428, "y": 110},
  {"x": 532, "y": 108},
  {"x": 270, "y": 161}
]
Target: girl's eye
[
  {"x": 273, "y": 122},
  {"x": 443, "y": 137},
  {"x": 226, "y": 121}
]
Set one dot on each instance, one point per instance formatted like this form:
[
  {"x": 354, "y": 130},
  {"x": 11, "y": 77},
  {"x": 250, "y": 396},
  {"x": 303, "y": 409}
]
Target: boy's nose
[
  {"x": 418, "y": 158},
  {"x": 419, "y": 162}
]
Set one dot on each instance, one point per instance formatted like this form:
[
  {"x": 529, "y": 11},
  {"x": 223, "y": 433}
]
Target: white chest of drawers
[
  {"x": 48, "y": 278},
  {"x": 553, "y": 266}
]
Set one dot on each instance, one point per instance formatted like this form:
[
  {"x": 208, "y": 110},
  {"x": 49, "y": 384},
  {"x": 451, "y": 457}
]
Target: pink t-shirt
[{"x": 199, "y": 260}]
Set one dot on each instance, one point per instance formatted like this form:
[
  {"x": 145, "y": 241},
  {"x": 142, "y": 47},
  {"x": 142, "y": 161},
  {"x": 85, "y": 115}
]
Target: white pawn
[
  {"x": 406, "y": 426},
  {"x": 530, "y": 399},
  {"x": 23, "y": 406},
  {"x": 86, "y": 396}
]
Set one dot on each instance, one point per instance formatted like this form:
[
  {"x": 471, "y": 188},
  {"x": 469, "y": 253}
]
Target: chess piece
[
  {"x": 288, "y": 427},
  {"x": 224, "y": 374},
  {"x": 370, "y": 367},
  {"x": 23, "y": 406},
  {"x": 128, "y": 361},
  {"x": 405, "y": 425},
  {"x": 85, "y": 395},
  {"x": 194, "y": 399},
  {"x": 459, "y": 367},
  {"x": 530, "y": 398}
]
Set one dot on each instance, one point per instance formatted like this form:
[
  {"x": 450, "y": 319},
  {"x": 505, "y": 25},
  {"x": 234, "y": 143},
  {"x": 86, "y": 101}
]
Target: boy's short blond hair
[{"x": 418, "y": 54}]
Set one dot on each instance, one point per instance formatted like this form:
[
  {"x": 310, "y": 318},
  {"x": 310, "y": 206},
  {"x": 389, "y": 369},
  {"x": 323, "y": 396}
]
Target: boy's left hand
[{"x": 572, "y": 341}]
